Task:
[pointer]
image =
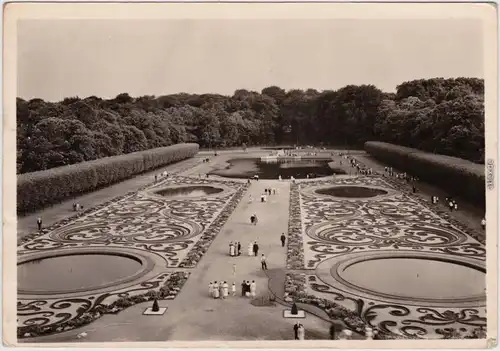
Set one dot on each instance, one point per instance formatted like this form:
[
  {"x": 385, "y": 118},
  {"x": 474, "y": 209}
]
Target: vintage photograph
[{"x": 237, "y": 172}]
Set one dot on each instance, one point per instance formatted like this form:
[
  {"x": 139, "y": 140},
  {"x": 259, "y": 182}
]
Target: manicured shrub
[
  {"x": 38, "y": 189},
  {"x": 457, "y": 176}
]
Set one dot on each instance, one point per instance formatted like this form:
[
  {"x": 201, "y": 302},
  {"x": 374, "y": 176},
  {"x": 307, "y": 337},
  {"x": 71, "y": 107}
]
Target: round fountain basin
[{"x": 75, "y": 272}]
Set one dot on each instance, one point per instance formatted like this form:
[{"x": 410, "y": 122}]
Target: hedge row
[
  {"x": 457, "y": 176},
  {"x": 38, "y": 189}
]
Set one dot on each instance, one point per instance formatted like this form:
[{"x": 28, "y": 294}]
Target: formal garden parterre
[
  {"x": 340, "y": 232},
  {"x": 163, "y": 233}
]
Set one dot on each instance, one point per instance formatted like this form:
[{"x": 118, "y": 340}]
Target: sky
[{"x": 63, "y": 58}]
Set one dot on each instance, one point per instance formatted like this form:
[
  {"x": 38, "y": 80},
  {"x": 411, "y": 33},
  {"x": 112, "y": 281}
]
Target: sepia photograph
[{"x": 317, "y": 174}]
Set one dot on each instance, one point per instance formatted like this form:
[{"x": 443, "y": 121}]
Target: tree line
[{"x": 438, "y": 115}]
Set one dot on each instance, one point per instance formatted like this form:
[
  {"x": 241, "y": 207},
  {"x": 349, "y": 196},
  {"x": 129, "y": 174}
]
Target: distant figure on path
[
  {"x": 483, "y": 223},
  {"x": 451, "y": 205},
  {"x": 283, "y": 238},
  {"x": 239, "y": 248},
  {"x": 302, "y": 332},
  {"x": 231, "y": 249},
  {"x": 247, "y": 288},
  {"x": 243, "y": 286},
  {"x": 253, "y": 288},
  {"x": 332, "y": 330},
  {"x": 255, "y": 249},
  {"x": 225, "y": 288},
  {"x": 279, "y": 178},
  {"x": 296, "y": 330},
  {"x": 456, "y": 206},
  {"x": 39, "y": 223},
  {"x": 234, "y": 268},
  {"x": 216, "y": 290},
  {"x": 156, "y": 178},
  {"x": 263, "y": 262},
  {"x": 250, "y": 249},
  {"x": 74, "y": 207},
  {"x": 233, "y": 289},
  {"x": 256, "y": 220},
  {"x": 414, "y": 189},
  {"x": 210, "y": 289}
]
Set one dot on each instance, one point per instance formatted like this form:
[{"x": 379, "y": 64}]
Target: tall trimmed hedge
[
  {"x": 455, "y": 175},
  {"x": 38, "y": 189}
]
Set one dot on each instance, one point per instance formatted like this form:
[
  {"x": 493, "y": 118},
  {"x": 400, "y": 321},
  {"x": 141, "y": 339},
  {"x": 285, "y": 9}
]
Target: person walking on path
[
  {"x": 263, "y": 262},
  {"x": 332, "y": 332},
  {"x": 247, "y": 288},
  {"x": 255, "y": 249},
  {"x": 283, "y": 238},
  {"x": 243, "y": 286},
  {"x": 302, "y": 332},
  {"x": 296, "y": 330},
  {"x": 234, "y": 268},
  {"x": 451, "y": 205},
  {"x": 253, "y": 288},
  {"x": 483, "y": 223},
  {"x": 225, "y": 290},
  {"x": 239, "y": 249},
  {"x": 39, "y": 223},
  {"x": 233, "y": 289},
  {"x": 250, "y": 249},
  {"x": 216, "y": 290},
  {"x": 210, "y": 289}
]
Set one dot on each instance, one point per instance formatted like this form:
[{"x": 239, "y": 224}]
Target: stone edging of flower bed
[
  {"x": 168, "y": 291},
  {"x": 203, "y": 244},
  {"x": 295, "y": 246}
]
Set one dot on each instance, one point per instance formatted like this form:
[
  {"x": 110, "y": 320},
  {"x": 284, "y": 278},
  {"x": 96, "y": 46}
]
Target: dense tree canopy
[{"x": 438, "y": 115}]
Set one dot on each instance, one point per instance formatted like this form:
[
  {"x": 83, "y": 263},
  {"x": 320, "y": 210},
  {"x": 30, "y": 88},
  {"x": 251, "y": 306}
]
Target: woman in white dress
[
  {"x": 225, "y": 290},
  {"x": 233, "y": 289},
  {"x": 253, "y": 288},
  {"x": 302, "y": 332},
  {"x": 250, "y": 249},
  {"x": 231, "y": 249},
  {"x": 216, "y": 290},
  {"x": 210, "y": 289}
]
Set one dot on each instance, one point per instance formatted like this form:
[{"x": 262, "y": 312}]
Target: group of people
[
  {"x": 452, "y": 204},
  {"x": 77, "y": 207},
  {"x": 248, "y": 289},
  {"x": 299, "y": 331},
  {"x": 220, "y": 290},
  {"x": 163, "y": 174},
  {"x": 234, "y": 249}
]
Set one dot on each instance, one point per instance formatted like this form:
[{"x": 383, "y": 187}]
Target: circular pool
[
  {"x": 189, "y": 191},
  {"x": 351, "y": 191},
  {"x": 72, "y": 273},
  {"x": 415, "y": 278}
]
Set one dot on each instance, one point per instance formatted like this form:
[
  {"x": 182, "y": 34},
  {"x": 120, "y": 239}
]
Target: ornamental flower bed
[
  {"x": 403, "y": 187},
  {"x": 295, "y": 247},
  {"x": 203, "y": 244},
  {"x": 89, "y": 210},
  {"x": 168, "y": 291}
]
